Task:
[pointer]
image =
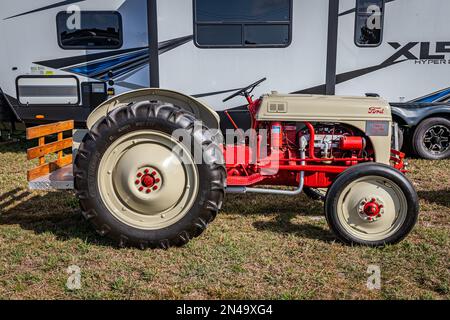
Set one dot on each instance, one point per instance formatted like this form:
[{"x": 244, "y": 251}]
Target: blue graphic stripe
[
  {"x": 93, "y": 69},
  {"x": 434, "y": 97}
]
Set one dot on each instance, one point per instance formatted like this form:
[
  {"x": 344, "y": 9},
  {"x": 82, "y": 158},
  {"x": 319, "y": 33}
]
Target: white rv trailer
[{"x": 60, "y": 59}]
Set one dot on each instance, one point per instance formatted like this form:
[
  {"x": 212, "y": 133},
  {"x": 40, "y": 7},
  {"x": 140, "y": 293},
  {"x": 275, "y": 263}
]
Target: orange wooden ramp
[{"x": 55, "y": 174}]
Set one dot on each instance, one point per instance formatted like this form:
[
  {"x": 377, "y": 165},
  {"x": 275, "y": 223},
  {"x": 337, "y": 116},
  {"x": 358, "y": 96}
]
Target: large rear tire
[
  {"x": 140, "y": 185},
  {"x": 371, "y": 204}
]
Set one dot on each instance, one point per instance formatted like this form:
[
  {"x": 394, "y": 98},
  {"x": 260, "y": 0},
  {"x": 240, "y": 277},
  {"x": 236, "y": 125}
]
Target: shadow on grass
[
  {"x": 54, "y": 212},
  {"x": 16, "y": 146},
  {"x": 252, "y": 204},
  {"x": 58, "y": 213},
  {"x": 285, "y": 209},
  {"x": 439, "y": 197},
  {"x": 283, "y": 224}
]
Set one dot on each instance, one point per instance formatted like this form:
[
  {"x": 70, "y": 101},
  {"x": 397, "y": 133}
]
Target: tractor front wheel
[
  {"x": 138, "y": 183},
  {"x": 371, "y": 204}
]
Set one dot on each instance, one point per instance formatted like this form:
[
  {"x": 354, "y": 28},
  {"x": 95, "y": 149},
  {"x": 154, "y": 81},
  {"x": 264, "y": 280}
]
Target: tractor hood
[{"x": 298, "y": 107}]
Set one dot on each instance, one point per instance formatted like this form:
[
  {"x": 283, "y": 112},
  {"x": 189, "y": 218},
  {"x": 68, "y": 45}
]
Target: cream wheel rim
[
  {"x": 148, "y": 180},
  {"x": 372, "y": 208}
]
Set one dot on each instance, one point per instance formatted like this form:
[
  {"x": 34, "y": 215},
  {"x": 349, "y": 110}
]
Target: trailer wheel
[
  {"x": 139, "y": 185},
  {"x": 431, "y": 139},
  {"x": 316, "y": 193},
  {"x": 371, "y": 204}
]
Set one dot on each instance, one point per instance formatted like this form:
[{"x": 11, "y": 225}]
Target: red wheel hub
[
  {"x": 147, "y": 181},
  {"x": 372, "y": 208}
]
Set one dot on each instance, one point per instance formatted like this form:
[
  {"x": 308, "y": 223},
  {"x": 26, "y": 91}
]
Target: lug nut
[
  {"x": 146, "y": 171},
  {"x": 141, "y": 188},
  {"x": 154, "y": 173},
  {"x": 155, "y": 188},
  {"x": 148, "y": 191},
  {"x": 137, "y": 181},
  {"x": 139, "y": 175},
  {"x": 158, "y": 180}
]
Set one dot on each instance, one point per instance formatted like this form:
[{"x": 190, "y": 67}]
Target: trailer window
[
  {"x": 242, "y": 23},
  {"x": 89, "y": 30},
  {"x": 369, "y": 23}
]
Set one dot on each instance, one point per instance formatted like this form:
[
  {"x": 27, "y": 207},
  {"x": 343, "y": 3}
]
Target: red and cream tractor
[{"x": 152, "y": 170}]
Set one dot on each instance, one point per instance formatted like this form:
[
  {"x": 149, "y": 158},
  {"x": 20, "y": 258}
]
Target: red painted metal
[
  {"x": 282, "y": 166},
  {"x": 319, "y": 179},
  {"x": 276, "y": 135},
  {"x": 327, "y": 159},
  {"x": 245, "y": 180},
  {"x": 312, "y": 138},
  {"x": 351, "y": 143},
  {"x": 311, "y": 168},
  {"x": 148, "y": 181},
  {"x": 231, "y": 120},
  {"x": 398, "y": 159},
  {"x": 372, "y": 208}
]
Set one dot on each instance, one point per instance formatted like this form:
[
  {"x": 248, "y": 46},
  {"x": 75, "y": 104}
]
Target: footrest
[{"x": 61, "y": 179}]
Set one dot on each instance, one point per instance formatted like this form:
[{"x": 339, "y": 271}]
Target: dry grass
[{"x": 259, "y": 247}]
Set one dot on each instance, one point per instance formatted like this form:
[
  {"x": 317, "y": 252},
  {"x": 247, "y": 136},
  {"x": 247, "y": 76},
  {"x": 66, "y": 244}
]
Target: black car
[{"x": 425, "y": 125}]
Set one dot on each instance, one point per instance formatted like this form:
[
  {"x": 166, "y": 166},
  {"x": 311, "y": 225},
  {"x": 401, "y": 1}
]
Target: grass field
[{"x": 259, "y": 247}]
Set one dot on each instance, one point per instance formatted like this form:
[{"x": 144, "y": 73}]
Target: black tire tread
[
  {"x": 210, "y": 204},
  {"x": 417, "y": 138},
  {"x": 367, "y": 169}
]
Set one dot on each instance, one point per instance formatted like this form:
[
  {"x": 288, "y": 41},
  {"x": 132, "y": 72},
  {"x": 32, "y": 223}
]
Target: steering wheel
[{"x": 245, "y": 91}]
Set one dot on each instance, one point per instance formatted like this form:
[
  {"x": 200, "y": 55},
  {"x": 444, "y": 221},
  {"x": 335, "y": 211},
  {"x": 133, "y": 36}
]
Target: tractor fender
[{"x": 201, "y": 110}]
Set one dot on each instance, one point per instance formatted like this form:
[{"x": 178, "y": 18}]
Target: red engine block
[{"x": 326, "y": 153}]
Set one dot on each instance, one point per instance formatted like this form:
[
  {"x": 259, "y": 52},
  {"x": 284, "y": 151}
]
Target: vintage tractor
[{"x": 152, "y": 169}]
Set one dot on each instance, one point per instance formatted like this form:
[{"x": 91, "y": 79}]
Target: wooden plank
[
  {"x": 41, "y": 144},
  {"x": 49, "y": 167},
  {"x": 47, "y": 129},
  {"x": 60, "y": 138},
  {"x": 41, "y": 151}
]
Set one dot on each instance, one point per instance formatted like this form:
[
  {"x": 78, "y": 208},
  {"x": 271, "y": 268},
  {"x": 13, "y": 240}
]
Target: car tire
[{"x": 431, "y": 139}]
